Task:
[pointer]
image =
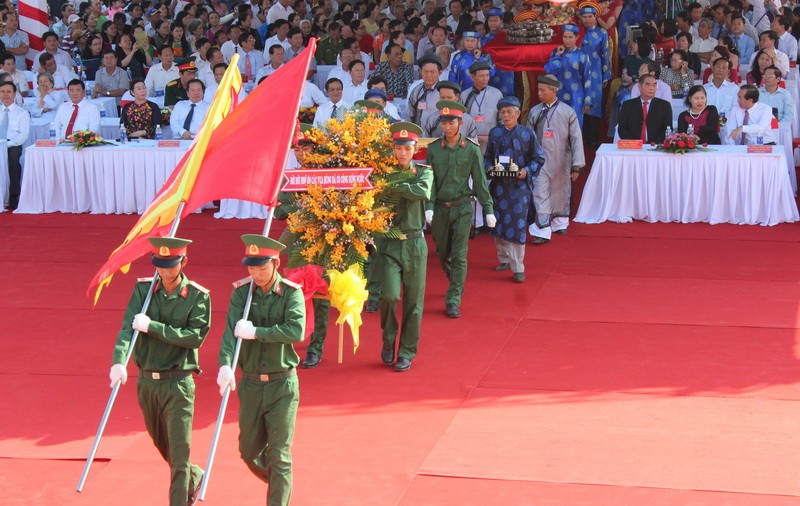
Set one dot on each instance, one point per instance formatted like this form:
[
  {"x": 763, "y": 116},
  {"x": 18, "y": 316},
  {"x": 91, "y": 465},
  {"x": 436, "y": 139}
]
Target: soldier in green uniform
[
  {"x": 269, "y": 392},
  {"x": 455, "y": 161},
  {"x": 176, "y": 89},
  {"x": 173, "y": 328},
  {"x": 404, "y": 261}
]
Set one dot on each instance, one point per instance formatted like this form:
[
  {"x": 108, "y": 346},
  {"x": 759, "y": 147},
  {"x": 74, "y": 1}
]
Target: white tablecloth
[
  {"x": 725, "y": 185},
  {"x": 98, "y": 180}
]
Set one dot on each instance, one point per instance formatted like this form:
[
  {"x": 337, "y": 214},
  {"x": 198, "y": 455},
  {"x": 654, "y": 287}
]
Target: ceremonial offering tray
[{"x": 528, "y": 31}]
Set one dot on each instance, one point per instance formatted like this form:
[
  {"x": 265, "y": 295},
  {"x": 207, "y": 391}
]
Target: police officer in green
[
  {"x": 268, "y": 392},
  {"x": 455, "y": 161},
  {"x": 403, "y": 261},
  {"x": 173, "y": 328},
  {"x": 176, "y": 89}
]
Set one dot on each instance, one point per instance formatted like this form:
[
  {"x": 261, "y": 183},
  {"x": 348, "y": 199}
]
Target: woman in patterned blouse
[{"x": 141, "y": 116}]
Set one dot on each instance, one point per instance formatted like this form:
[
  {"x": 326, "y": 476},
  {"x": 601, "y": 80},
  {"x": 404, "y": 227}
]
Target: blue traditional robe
[
  {"x": 572, "y": 68},
  {"x": 595, "y": 45},
  {"x": 459, "y": 69},
  {"x": 512, "y": 197},
  {"x": 634, "y": 12}
]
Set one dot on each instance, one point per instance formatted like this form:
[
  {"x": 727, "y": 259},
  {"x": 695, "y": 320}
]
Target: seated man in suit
[{"x": 646, "y": 117}]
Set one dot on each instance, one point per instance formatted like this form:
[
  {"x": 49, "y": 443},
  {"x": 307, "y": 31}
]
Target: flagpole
[
  {"x": 113, "y": 397},
  {"x": 226, "y": 395}
]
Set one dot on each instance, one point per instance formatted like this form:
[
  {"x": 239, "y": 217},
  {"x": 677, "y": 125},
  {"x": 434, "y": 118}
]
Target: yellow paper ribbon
[{"x": 348, "y": 292}]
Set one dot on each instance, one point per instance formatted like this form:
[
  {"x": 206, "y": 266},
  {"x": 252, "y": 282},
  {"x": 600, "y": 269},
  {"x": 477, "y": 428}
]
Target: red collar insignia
[{"x": 184, "y": 292}]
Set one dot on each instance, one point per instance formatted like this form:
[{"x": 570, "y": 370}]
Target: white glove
[
  {"x": 491, "y": 221},
  {"x": 118, "y": 373},
  {"x": 429, "y": 216},
  {"x": 245, "y": 330},
  {"x": 141, "y": 322},
  {"x": 225, "y": 378}
]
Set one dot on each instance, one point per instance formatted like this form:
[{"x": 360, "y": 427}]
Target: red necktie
[
  {"x": 644, "y": 122},
  {"x": 72, "y": 120},
  {"x": 248, "y": 66}
]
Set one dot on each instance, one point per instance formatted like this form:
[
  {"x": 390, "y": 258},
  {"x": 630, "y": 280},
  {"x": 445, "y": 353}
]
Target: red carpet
[{"x": 639, "y": 364}]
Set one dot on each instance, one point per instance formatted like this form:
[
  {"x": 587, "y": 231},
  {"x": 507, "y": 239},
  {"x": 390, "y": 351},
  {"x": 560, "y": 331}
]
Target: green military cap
[
  {"x": 450, "y": 85},
  {"x": 168, "y": 251},
  {"x": 450, "y": 110},
  {"x": 259, "y": 249},
  {"x": 369, "y": 105},
  {"x": 404, "y": 132},
  {"x": 302, "y": 137}
]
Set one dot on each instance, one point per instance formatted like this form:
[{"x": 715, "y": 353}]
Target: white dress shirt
[
  {"x": 392, "y": 111},
  {"x": 206, "y": 74},
  {"x": 324, "y": 112},
  {"x": 312, "y": 95},
  {"x": 212, "y": 90},
  {"x": 278, "y": 11},
  {"x": 88, "y": 118},
  {"x": 265, "y": 71},
  {"x": 781, "y": 100},
  {"x": 21, "y": 81},
  {"x": 782, "y": 61},
  {"x": 157, "y": 78},
  {"x": 62, "y": 76},
  {"x": 340, "y": 74},
  {"x": 723, "y": 98},
  {"x": 353, "y": 93},
  {"x": 19, "y": 124},
  {"x": 788, "y": 44},
  {"x": 179, "y": 113},
  {"x": 228, "y": 49},
  {"x": 759, "y": 123},
  {"x": 62, "y": 58},
  {"x": 274, "y": 40},
  {"x": 700, "y": 45}
]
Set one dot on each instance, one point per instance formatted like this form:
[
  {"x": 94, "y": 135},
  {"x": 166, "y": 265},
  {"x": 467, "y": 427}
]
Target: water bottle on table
[
  {"x": 668, "y": 132},
  {"x": 159, "y": 134},
  {"x": 52, "y": 131},
  {"x": 123, "y": 135},
  {"x": 760, "y": 138},
  {"x": 690, "y": 129}
]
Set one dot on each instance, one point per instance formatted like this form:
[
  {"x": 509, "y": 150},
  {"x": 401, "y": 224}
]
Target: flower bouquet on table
[
  {"x": 86, "y": 138},
  {"x": 166, "y": 112},
  {"x": 306, "y": 114},
  {"x": 336, "y": 228},
  {"x": 681, "y": 144}
]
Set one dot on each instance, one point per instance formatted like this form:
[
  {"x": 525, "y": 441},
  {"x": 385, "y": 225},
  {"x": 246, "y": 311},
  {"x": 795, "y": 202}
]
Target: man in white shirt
[
  {"x": 770, "y": 93},
  {"x": 211, "y": 90},
  {"x": 720, "y": 92},
  {"x": 276, "y": 58},
  {"x": 768, "y": 42},
  {"x": 78, "y": 113},
  {"x": 456, "y": 8},
  {"x": 61, "y": 75},
  {"x": 280, "y": 10},
  {"x": 188, "y": 115},
  {"x": 159, "y": 75},
  {"x": 335, "y": 107},
  {"x": 357, "y": 87},
  {"x": 749, "y": 120},
  {"x": 20, "y": 80},
  {"x": 231, "y": 46},
  {"x": 312, "y": 95},
  {"x": 704, "y": 43},
  {"x": 759, "y": 18},
  {"x": 342, "y": 71},
  {"x": 281, "y": 36},
  {"x": 63, "y": 58},
  {"x": 250, "y": 59},
  {"x": 206, "y": 74},
  {"x": 15, "y": 124},
  {"x": 786, "y": 41}
]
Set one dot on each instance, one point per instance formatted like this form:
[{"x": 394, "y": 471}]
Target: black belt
[
  {"x": 454, "y": 203},
  {"x": 162, "y": 375},
  {"x": 269, "y": 377},
  {"x": 413, "y": 234}
]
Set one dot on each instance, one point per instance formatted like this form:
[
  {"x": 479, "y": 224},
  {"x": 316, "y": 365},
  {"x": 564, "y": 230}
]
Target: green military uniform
[
  {"x": 269, "y": 392},
  {"x": 404, "y": 261},
  {"x": 166, "y": 355},
  {"x": 453, "y": 166},
  {"x": 174, "y": 93},
  {"x": 328, "y": 50}
]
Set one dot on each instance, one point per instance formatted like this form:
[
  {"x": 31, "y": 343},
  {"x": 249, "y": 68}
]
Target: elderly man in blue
[
  {"x": 512, "y": 147},
  {"x": 503, "y": 80},
  {"x": 459, "y": 69},
  {"x": 595, "y": 45},
  {"x": 572, "y": 68}
]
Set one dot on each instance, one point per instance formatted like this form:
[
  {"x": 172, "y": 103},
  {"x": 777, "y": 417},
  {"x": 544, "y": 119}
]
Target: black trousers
[{"x": 14, "y": 175}]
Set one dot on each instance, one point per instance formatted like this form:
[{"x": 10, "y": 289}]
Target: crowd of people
[{"x": 420, "y": 64}]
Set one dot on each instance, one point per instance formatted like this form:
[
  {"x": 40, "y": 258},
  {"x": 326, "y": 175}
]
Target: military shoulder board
[
  {"x": 292, "y": 284},
  {"x": 198, "y": 286},
  {"x": 242, "y": 282}
]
